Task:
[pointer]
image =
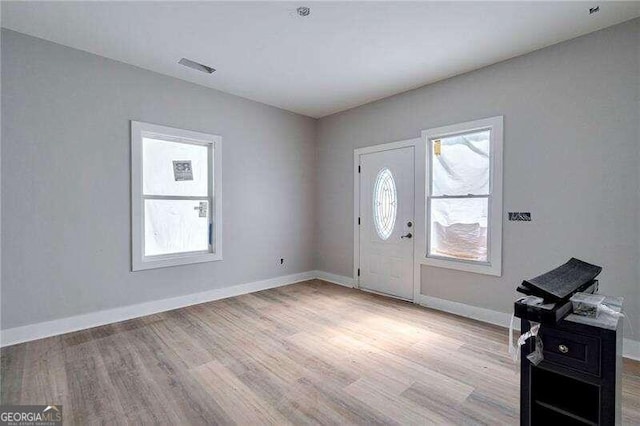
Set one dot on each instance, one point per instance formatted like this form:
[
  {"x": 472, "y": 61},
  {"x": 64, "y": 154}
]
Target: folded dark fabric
[
  {"x": 590, "y": 287},
  {"x": 560, "y": 283}
]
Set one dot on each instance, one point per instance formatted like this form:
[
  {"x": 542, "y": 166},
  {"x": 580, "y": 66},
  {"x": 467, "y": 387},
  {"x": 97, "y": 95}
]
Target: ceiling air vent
[{"x": 196, "y": 66}]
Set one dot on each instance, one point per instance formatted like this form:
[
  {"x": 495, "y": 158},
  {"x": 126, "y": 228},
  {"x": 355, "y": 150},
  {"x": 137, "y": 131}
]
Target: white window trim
[
  {"x": 494, "y": 234},
  {"x": 138, "y": 260}
]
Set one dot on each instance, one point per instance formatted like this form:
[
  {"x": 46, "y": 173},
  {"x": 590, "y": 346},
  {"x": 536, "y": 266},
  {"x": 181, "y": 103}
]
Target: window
[
  {"x": 464, "y": 196},
  {"x": 384, "y": 203},
  {"x": 175, "y": 196}
]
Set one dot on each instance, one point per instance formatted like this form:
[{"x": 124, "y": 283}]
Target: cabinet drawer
[{"x": 579, "y": 352}]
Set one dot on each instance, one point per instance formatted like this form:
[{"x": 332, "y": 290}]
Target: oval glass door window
[{"x": 385, "y": 203}]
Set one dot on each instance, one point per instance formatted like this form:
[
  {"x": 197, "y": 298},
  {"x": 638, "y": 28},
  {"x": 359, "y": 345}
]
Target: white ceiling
[{"x": 343, "y": 55}]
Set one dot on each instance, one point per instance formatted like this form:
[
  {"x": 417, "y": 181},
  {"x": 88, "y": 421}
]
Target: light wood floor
[{"x": 306, "y": 353}]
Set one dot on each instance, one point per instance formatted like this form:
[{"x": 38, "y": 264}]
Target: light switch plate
[{"x": 520, "y": 216}]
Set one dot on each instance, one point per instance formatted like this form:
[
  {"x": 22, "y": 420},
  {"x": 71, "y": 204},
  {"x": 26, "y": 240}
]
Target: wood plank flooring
[{"x": 308, "y": 353}]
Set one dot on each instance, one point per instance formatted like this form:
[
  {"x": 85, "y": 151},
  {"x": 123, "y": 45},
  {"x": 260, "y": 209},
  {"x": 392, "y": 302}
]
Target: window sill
[
  {"x": 167, "y": 261},
  {"x": 478, "y": 268}
]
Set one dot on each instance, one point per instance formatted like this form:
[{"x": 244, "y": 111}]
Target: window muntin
[
  {"x": 176, "y": 206},
  {"x": 460, "y": 190},
  {"x": 385, "y": 203}
]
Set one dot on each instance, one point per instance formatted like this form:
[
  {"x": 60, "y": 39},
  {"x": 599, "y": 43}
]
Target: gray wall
[
  {"x": 65, "y": 183},
  {"x": 571, "y": 157}
]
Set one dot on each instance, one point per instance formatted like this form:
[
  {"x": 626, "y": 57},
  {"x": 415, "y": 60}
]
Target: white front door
[{"x": 387, "y": 224}]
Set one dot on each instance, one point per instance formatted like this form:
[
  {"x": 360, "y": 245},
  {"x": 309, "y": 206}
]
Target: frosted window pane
[
  {"x": 175, "y": 226},
  {"x": 460, "y": 164},
  {"x": 385, "y": 203},
  {"x": 459, "y": 228},
  {"x": 159, "y": 177}
]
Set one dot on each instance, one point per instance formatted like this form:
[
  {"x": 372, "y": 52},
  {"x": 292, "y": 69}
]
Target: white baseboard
[
  {"x": 30, "y": 332},
  {"x": 481, "y": 314},
  {"x": 335, "y": 279},
  {"x": 12, "y": 336},
  {"x": 630, "y": 348}
]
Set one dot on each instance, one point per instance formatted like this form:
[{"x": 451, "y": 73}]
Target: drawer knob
[{"x": 563, "y": 348}]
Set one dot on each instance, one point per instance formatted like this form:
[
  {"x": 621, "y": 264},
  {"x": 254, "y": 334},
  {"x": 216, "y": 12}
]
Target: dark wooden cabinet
[{"x": 578, "y": 382}]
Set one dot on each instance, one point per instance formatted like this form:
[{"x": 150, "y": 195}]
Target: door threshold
[{"x": 379, "y": 293}]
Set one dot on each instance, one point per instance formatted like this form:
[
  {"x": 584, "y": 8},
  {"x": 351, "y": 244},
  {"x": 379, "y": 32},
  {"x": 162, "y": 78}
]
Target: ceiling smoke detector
[
  {"x": 196, "y": 66},
  {"x": 303, "y": 11}
]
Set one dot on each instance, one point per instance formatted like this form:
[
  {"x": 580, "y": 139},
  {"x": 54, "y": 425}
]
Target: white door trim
[{"x": 356, "y": 205}]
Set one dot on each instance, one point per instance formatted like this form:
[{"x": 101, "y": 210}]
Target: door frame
[{"x": 415, "y": 143}]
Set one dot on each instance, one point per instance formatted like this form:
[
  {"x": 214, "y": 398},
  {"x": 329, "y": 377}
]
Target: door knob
[{"x": 407, "y": 236}]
